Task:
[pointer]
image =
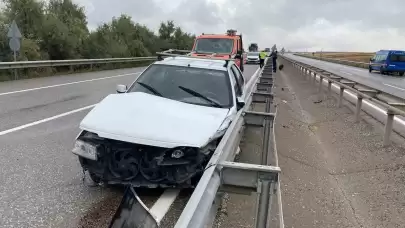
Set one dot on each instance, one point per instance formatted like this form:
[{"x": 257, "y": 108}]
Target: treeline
[{"x": 57, "y": 30}]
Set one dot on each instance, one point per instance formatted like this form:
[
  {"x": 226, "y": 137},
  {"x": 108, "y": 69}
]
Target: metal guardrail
[
  {"x": 71, "y": 62},
  {"x": 340, "y": 61},
  {"x": 392, "y": 109},
  {"x": 222, "y": 174}
]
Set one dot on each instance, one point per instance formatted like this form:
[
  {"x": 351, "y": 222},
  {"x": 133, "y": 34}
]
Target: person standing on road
[
  {"x": 274, "y": 60},
  {"x": 262, "y": 56}
]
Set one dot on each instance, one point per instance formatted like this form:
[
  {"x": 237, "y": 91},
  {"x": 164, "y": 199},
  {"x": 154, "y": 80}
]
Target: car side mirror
[
  {"x": 240, "y": 103},
  {"x": 121, "y": 88}
]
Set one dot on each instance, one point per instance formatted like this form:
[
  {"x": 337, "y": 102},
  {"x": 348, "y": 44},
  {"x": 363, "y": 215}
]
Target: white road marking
[
  {"x": 65, "y": 84},
  {"x": 44, "y": 120},
  {"x": 400, "y": 88},
  {"x": 344, "y": 72},
  {"x": 162, "y": 205}
]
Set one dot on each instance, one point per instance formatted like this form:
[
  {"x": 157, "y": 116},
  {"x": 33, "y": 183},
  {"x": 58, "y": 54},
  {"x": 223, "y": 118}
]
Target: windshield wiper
[
  {"x": 150, "y": 88},
  {"x": 196, "y": 94}
]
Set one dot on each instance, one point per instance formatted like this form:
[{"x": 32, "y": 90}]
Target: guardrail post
[
  {"x": 341, "y": 92},
  {"x": 71, "y": 68},
  {"x": 314, "y": 77},
  {"x": 265, "y": 200},
  {"x": 329, "y": 87},
  {"x": 388, "y": 127},
  {"x": 358, "y": 108},
  {"x": 15, "y": 74},
  {"x": 320, "y": 84}
]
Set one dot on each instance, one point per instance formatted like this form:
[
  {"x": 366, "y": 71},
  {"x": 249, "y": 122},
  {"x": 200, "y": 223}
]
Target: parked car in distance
[
  {"x": 163, "y": 129},
  {"x": 388, "y": 61},
  {"x": 252, "y": 58}
]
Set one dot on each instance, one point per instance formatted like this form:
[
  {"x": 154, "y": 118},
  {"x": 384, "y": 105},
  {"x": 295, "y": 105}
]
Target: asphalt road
[
  {"x": 387, "y": 83},
  {"x": 41, "y": 180}
]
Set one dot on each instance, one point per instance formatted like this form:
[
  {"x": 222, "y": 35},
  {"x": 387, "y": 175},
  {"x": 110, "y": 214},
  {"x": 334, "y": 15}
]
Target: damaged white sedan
[{"x": 163, "y": 129}]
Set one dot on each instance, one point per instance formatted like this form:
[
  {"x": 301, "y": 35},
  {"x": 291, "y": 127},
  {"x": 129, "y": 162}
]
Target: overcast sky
[{"x": 298, "y": 25}]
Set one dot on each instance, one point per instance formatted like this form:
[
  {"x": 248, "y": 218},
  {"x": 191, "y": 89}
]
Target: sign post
[
  {"x": 274, "y": 48},
  {"x": 15, "y": 42}
]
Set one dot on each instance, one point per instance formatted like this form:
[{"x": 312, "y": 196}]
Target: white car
[
  {"x": 252, "y": 57},
  {"x": 163, "y": 129}
]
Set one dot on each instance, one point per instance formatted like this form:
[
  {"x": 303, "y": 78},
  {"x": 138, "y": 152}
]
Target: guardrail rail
[
  {"x": 70, "y": 62},
  {"x": 392, "y": 107}
]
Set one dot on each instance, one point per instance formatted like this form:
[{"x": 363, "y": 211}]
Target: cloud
[{"x": 341, "y": 25}]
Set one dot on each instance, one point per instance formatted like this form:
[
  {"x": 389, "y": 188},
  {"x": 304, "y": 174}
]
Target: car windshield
[
  {"x": 186, "y": 84},
  {"x": 214, "y": 45},
  {"x": 253, "y": 54},
  {"x": 397, "y": 58}
]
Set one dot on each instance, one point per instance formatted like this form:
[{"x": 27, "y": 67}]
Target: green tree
[{"x": 57, "y": 29}]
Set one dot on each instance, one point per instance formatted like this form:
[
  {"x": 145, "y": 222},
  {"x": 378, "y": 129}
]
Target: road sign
[
  {"x": 13, "y": 31},
  {"x": 15, "y": 44}
]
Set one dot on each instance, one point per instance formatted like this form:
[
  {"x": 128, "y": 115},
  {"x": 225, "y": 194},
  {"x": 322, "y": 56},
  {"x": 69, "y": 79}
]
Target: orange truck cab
[{"x": 220, "y": 46}]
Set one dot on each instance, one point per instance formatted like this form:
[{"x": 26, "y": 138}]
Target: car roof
[
  {"x": 389, "y": 51},
  {"x": 223, "y": 36},
  {"x": 205, "y": 63}
]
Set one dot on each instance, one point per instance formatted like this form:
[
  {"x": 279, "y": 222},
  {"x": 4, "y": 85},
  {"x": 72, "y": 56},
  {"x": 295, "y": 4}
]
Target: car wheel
[
  {"x": 401, "y": 73},
  {"x": 382, "y": 71},
  {"x": 91, "y": 179}
]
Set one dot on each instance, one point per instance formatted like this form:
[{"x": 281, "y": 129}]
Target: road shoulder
[{"x": 335, "y": 173}]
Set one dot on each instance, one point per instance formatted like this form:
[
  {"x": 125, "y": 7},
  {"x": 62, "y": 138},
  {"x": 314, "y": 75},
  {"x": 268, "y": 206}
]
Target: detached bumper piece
[{"x": 132, "y": 213}]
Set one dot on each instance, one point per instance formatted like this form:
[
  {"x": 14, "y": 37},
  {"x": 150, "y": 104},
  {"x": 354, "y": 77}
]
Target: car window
[
  {"x": 381, "y": 57},
  {"x": 237, "y": 88},
  {"x": 374, "y": 58},
  {"x": 239, "y": 75},
  {"x": 253, "y": 54},
  {"x": 397, "y": 58},
  {"x": 214, "y": 45},
  {"x": 166, "y": 79}
]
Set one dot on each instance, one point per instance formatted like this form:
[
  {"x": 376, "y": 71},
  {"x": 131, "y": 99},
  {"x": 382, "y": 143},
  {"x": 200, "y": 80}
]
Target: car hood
[{"x": 151, "y": 120}]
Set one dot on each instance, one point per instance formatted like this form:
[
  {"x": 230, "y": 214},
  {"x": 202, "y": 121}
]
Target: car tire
[
  {"x": 382, "y": 71},
  {"x": 401, "y": 73},
  {"x": 91, "y": 179}
]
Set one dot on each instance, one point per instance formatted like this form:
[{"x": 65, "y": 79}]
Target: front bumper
[{"x": 253, "y": 61}]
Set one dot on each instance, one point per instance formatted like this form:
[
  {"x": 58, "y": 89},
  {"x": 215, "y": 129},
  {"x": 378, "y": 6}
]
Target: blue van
[{"x": 388, "y": 61}]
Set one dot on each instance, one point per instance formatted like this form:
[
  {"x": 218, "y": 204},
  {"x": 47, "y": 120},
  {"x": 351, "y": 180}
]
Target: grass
[{"x": 350, "y": 56}]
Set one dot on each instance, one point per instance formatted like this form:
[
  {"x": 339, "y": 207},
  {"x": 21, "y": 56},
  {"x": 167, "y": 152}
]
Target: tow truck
[{"x": 220, "y": 46}]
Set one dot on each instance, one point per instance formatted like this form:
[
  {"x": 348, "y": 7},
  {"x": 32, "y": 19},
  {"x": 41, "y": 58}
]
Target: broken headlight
[{"x": 86, "y": 149}]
